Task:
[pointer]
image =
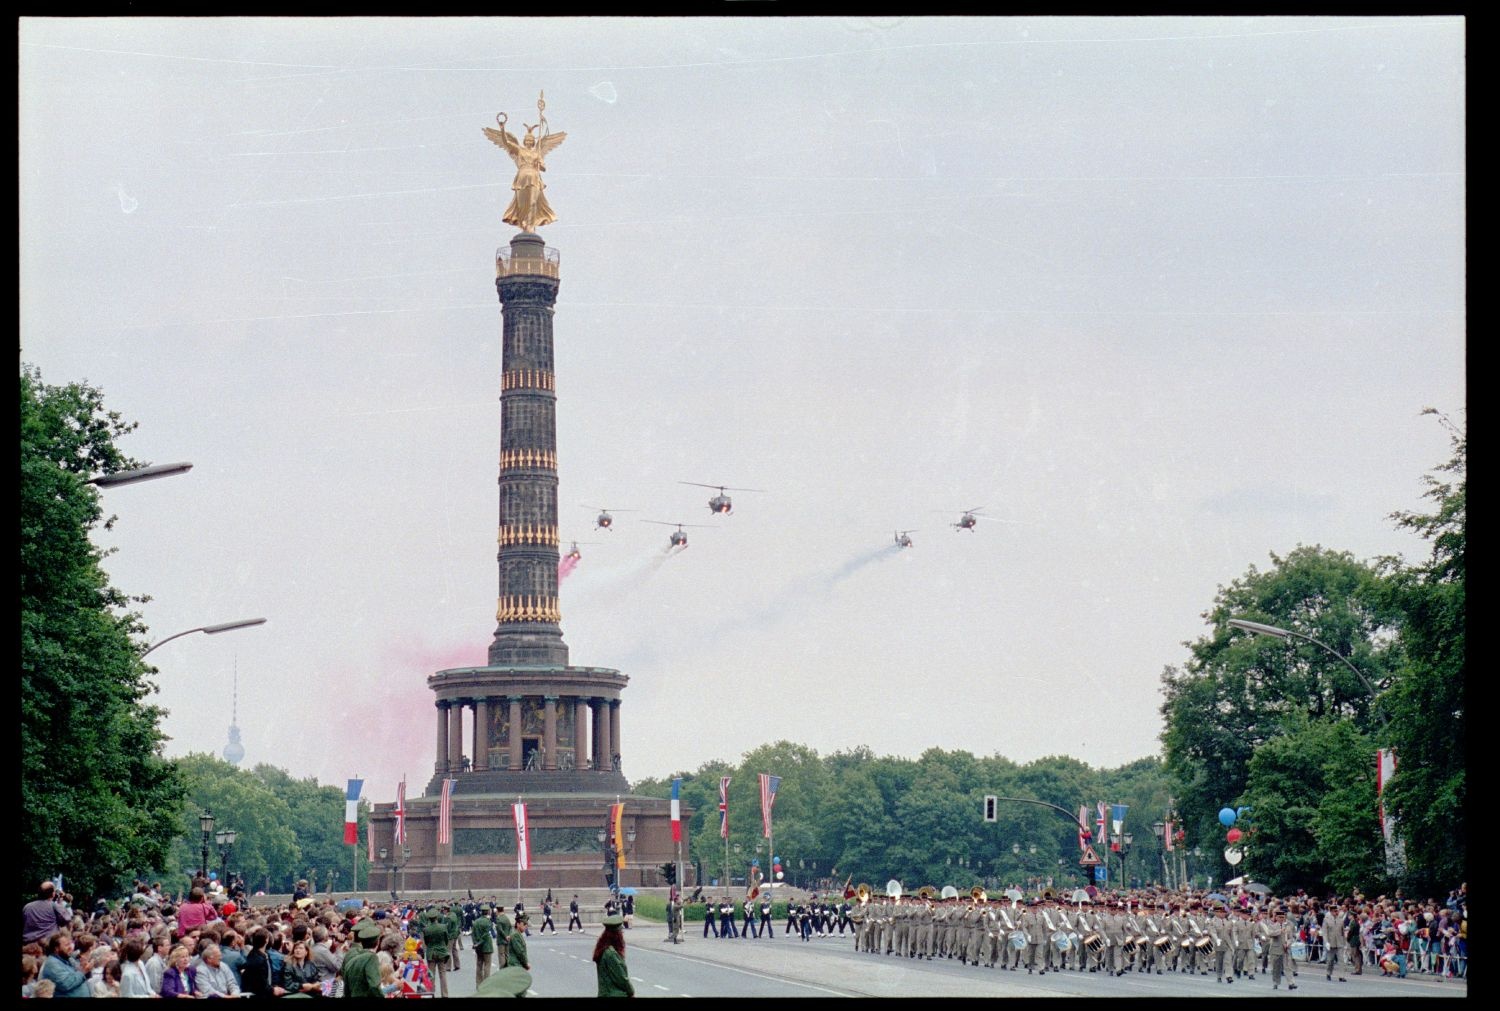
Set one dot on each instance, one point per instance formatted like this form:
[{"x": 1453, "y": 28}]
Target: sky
[{"x": 1163, "y": 296}]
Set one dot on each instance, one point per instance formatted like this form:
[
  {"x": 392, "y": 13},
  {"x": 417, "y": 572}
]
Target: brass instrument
[
  {"x": 862, "y": 893},
  {"x": 927, "y": 892},
  {"x": 893, "y": 888},
  {"x": 1048, "y": 893},
  {"x": 949, "y": 892},
  {"x": 978, "y": 894}
]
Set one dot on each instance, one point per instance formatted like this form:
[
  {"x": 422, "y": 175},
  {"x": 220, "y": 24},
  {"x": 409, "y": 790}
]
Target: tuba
[
  {"x": 1048, "y": 893},
  {"x": 862, "y": 893},
  {"x": 978, "y": 894},
  {"x": 927, "y": 892}
]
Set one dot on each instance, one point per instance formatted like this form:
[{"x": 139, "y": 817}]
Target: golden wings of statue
[{"x": 528, "y": 209}]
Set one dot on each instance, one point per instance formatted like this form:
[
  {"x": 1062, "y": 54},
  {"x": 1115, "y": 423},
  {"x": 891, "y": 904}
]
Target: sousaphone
[
  {"x": 949, "y": 892},
  {"x": 893, "y": 888},
  {"x": 927, "y": 892}
]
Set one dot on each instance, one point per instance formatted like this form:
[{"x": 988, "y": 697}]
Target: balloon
[
  {"x": 776, "y": 868},
  {"x": 778, "y": 875},
  {"x": 1233, "y": 835},
  {"x": 775, "y": 860},
  {"x": 1227, "y": 816},
  {"x": 1240, "y": 811}
]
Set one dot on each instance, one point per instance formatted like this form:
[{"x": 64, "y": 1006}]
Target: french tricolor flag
[
  {"x": 351, "y": 811},
  {"x": 676, "y": 811}
]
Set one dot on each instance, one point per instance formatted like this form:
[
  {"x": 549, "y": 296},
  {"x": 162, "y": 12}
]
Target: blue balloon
[
  {"x": 775, "y": 860},
  {"x": 1227, "y": 817}
]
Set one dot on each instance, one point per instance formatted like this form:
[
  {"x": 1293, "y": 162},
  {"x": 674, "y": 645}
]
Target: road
[{"x": 829, "y": 967}]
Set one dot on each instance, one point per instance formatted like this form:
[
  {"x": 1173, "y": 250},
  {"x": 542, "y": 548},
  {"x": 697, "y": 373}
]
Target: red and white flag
[
  {"x": 1385, "y": 768},
  {"x": 1083, "y": 827},
  {"x": 677, "y": 810},
  {"x": 523, "y": 838},
  {"x": 445, "y": 813},
  {"x": 724, "y": 807},
  {"x": 768, "y": 787},
  {"x": 1167, "y": 836},
  {"x": 401, "y": 813}
]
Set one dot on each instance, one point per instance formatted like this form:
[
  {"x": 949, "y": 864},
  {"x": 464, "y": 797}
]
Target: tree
[
  {"x": 1236, "y": 691},
  {"x": 1428, "y": 794},
  {"x": 98, "y": 799}
]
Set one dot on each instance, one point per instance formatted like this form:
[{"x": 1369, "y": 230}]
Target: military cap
[
  {"x": 523, "y": 917},
  {"x": 366, "y": 930},
  {"x": 512, "y": 981},
  {"x": 613, "y": 920}
]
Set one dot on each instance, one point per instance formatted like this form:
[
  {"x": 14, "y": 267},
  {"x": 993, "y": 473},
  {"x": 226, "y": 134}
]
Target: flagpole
[
  {"x": 518, "y": 856},
  {"x": 354, "y": 850}
]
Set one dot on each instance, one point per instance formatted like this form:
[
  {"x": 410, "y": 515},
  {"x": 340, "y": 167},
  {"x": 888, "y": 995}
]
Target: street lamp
[
  {"x": 228, "y": 626},
  {"x": 611, "y": 865},
  {"x": 392, "y": 866},
  {"x": 140, "y": 474},
  {"x": 1277, "y": 632},
  {"x": 206, "y": 823},
  {"x": 225, "y": 838}
]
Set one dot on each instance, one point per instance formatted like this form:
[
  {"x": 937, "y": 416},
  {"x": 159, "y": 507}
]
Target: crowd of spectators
[{"x": 206, "y": 945}]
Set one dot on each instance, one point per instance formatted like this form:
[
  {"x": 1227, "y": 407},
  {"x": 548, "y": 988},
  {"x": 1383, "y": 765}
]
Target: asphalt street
[{"x": 784, "y": 966}]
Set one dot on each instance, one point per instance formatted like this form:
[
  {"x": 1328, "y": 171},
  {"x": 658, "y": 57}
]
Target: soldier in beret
[
  {"x": 361, "y": 967},
  {"x": 482, "y": 933}
]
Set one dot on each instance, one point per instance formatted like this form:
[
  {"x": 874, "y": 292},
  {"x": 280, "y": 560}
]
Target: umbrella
[
  {"x": 627, "y": 891},
  {"x": 1235, "y": 882},
  {"x": 1214, "y": 897},
  {"x": 350, "y": 903},
  {"x": 1257, "y": 888}
]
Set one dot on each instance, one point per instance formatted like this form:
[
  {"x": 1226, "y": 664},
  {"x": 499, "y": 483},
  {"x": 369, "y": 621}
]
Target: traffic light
[
  {"x": 669, "y": 873},
  {"x": 990, "y": 801}
]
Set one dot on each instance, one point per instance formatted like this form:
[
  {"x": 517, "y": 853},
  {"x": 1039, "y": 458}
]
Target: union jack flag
[
  {"x": 1101, "y": 836},
  {"x": 724, "y": 807}
]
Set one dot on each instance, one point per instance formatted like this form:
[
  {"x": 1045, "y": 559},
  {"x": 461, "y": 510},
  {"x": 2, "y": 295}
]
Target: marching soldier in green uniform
[
  {"x": 361, "y": 967},
  {"x": 517, "y": 953},
  {"x": 435, "y": 936},
  {"x": 502, "y": 938},
  {"x": 455, "y": 918},
  {"x": 482, "y": 933}
]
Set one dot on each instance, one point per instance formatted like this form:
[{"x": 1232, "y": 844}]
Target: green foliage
[
  {"x": 1428, "y": 795},
  {"x": 97, "y": 798},
  {"x": 862, "y": 818},
  {"x": 1237, "y": 690}
]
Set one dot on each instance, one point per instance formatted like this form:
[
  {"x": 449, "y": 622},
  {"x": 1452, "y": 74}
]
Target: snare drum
[{"x": 1299, "y": 951}]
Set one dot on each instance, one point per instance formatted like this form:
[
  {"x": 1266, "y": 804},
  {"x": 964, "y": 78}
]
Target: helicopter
[
  {"x": 574, "y": 553},
  {"x": 604, "y": 521},
  {"x": 968, "y": 521},
  {"x": 678, "y": 539},
  {"x": 720, "y": 503},
  {"x": 902, "y": 540}
]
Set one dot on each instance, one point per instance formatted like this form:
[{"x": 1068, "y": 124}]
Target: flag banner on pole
[
  {"x": 401, "y": 813},
  {"x": 351, "y": 811},
  {"x": 768, "y": 787},
  {"x": 724, "y": 807},
  {"x": 676, "y": 810},
  {"x": 445, "y": 813},
  {"x": 370, "y": 835},
  {"x": 1167, "y": 836},
  {"x": 617, "y": 820},
  {"x": 1385, "y": 768},
  {"x": 1083, "y": 827},
  {"x": 523, "y": 838},
  {"x": 1117, "y": 816},
  {"x": 1100, "y": 836}
]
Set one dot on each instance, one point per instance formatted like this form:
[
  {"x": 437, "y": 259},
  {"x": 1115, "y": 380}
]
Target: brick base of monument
[{"x": 565, "y": 848}]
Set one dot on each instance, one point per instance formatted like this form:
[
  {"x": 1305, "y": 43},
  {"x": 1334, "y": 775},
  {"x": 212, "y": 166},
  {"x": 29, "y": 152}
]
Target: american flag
[
  {"x": 1101, "y": 836},
  {"x": 768, "y": 786},
  {"x": 445, "y": 813},
  {"x": 724, "y": 807},
  {"x": 401, "y": 813}
]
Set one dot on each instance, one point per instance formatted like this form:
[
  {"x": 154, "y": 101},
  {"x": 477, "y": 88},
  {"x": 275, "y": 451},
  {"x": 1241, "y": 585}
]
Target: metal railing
[{"x": 507, "y": 264}]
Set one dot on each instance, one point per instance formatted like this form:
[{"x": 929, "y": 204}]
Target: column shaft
[
  {"x": 481, "y": 735},
  {"x": 606, "y": 746},
  {"x": 614, "y": 732},
  {"x": 515, "y": 733},
  {"x": 580, "y": 734},
  {"x": 456, "y": 736},
  {"x": 441, "y": 766},
  {"x": 549, "y": 732}
]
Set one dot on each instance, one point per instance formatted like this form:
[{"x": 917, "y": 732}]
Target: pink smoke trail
[{"x": 565, "y": 567}]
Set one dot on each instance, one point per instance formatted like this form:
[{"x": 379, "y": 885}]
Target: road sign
[
  {"x": 1101, "y": 874},
  {"x": 1089, "y": 858}
]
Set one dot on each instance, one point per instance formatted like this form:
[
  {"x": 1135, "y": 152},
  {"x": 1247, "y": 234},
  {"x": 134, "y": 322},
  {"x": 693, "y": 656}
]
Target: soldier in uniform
[
  {"x": 456, "y": 926},
  {"x": 1332, "y": 931},
  {"x": 844, "y": 917},
  {"x": 361, "y": 967},
  {"x": 482, "y": 933},
  {"x": 1154, "y": 956},
  {"x": 1275, "y": 934},
  {"x": 710, "y": 918},
  {"x": 1244, "y": 943},
  {"x": 766, "y": 929},
  {"x": 435, "y": 936},
  {"x": 1031, "y": 925},
  {"x": 517, "y": 954},
  {"x": 726, "y": 918},
  {"x": 547, "y": 917},
  {"x": 1219, "y": 930},
  {"x": 573, "y": 916},
  {"x": 502, "y": 938},
  {"x": 748, "y": 909}
]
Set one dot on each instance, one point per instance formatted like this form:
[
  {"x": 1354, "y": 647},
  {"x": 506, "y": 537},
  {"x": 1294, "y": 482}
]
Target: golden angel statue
[{"x": 528, "y": 208}]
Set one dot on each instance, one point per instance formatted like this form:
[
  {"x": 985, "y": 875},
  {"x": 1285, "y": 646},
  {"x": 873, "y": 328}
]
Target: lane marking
[{"x": 658, "y": 986}]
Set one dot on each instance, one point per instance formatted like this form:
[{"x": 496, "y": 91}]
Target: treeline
[{"x": 853, "y": 814}]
